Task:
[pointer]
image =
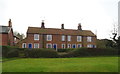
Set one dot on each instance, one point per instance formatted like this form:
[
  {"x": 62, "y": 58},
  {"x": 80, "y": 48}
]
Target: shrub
[
  {"x": 5, "y": 49},
  {"x": 13, "y": 53},
  {"x": 8, "y": 51},
  {"x": 41, "y": 53}
]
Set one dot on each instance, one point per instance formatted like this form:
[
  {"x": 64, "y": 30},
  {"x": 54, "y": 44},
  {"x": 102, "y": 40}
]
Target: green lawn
[{"x": 85, "y": 64}]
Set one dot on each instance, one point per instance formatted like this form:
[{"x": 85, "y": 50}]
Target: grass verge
[{"x": 84, "y": 64}]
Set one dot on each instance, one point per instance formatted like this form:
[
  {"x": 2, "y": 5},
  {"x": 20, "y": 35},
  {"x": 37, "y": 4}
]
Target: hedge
[
  {"x": 13, "y": 53},
  {"x": 91, "y": 52},
  {"x": 9, "y": 52},
  {"x": 41, "y": 53},
  {"x": 65, "y": 50}
]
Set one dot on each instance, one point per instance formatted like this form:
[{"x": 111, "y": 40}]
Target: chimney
[
  {"x": 9, "y": 23},
  {"x": 79, "y": 26},
  {"x": 62, "y": 26},
  {"x": 42, "y": 24}
]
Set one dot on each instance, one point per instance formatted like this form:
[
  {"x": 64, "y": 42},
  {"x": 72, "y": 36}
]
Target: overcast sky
[{"x": 95, "y": 15}]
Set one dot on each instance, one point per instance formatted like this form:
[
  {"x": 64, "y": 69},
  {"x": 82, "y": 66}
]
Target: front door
[
  {"x": 55, "y": 46},
  {"x": 94, "y": 46},
  {"x": 73, "y": 46},
  {"x": 29, "y": 45}
]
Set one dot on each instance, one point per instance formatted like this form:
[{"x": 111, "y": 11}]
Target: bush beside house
[{"x": 10, "y": 52}]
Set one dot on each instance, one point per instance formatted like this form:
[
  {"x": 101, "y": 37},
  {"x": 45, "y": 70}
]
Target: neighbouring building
[
  {"x": 6, "y": 35},
  {"x": 16, "y": 39},
  {"x": 41, "y": 37}
]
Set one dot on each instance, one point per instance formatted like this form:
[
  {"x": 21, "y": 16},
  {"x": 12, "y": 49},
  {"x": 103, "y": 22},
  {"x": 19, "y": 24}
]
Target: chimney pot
[
  {"x": 62, "y": 26},
  {"x": 9, "y": 23},
  {"x": 42, "y": 24},
  {"x": 79, "y": 26}
]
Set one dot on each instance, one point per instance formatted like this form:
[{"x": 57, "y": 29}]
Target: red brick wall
[
  {"x": 11, "y": 38},
  {"x": 4, "y": 39},
  {"x": 56, "y": 39},
  {"x": 0, "y": 39}
]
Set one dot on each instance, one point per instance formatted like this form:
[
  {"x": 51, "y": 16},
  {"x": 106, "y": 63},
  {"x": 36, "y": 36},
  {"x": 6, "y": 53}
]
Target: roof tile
[{"x": 60, "y": 31}]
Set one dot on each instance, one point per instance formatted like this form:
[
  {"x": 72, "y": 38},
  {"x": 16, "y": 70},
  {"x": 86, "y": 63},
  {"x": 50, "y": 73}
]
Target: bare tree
[
  {"x": 115, "y": 38},
  {"x": 20, "y": 36}
]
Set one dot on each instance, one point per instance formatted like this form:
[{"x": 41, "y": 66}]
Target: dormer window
[{"x": 36, "y": 36}]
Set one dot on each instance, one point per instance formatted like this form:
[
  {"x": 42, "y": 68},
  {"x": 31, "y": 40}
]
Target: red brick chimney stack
[
  {"x": 9, "y": 23},
  {"x": 42, "y": 24},
  {"x": 62, "y": 26},
  {"x": 79, "y": 26}
]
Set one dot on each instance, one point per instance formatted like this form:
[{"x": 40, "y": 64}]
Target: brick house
[
  {"x": 41, "y": 37},
  {"x": 6, "y": 35}
]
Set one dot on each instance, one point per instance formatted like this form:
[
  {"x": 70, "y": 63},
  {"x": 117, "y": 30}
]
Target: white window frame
[
  {"x": 73, "y": 44},
  {"x": 48, "y": 37},
  {"x": 36, "y": 36},
  {"x": 89, "y": 39},
  {"x": 79, "y": 38},
  {"x": 78, "y": 45},
  {"x": 89, "y": 46},
  {"x": 63, "y": 37},
  {"x": 69, "y": 38},
  {"x": 62, "y": 46},
  {"x": 35, "y": 45},
  {"x": 68, "y": 45},
  {"x": 48, "y": 44},
  {"x": 95, "y": 46},
  {"x": 23, "y": 45}
]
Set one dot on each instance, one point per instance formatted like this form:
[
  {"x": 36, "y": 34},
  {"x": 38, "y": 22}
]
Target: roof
[
  {"x": 59, "y": 31},
  {"x": 4, "y": 29},
  {"x": 16, "y": 37},
  {"x": 22, "y": 41}
]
